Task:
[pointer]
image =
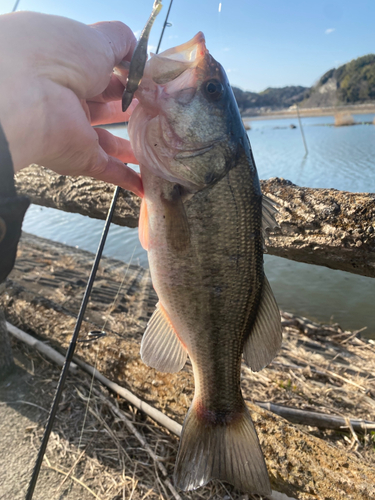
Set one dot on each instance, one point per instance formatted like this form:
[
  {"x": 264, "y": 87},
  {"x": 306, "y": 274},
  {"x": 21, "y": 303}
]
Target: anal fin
[
  {"x": 161, "y": 348},
  {"x": 264, "y": 340}
]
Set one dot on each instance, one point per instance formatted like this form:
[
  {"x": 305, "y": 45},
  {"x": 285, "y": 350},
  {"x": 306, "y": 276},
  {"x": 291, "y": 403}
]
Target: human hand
[{"x": 55, "y": 82}]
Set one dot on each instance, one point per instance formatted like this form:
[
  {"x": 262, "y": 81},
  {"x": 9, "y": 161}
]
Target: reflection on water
[
  {"x": 322, "y": 294},
  {"x": 341, "y": 158}
]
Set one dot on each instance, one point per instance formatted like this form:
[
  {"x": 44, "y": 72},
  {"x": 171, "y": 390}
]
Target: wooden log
[
  {"x": 326, "y": 227},
  {"x": 40, "y": 346},
  {"x": 81, "y": 195}
]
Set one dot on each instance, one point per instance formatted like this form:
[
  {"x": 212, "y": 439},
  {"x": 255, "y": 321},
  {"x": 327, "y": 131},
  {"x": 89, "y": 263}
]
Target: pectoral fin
[
  {"x": 161, "y": 348},
  {"x": 268, "y": 216},
  {"x": 143, "y": 226},
  {"x": 265, "y": 338},
  {"x": 177, "y": 225}
]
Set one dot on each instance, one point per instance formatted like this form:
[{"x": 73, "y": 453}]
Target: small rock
[
  {"x": 370, "y": 230},
  {"x": 358, "y": 243}
]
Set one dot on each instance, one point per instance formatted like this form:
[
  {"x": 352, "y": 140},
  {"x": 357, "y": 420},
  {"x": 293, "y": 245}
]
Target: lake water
[{"x": 341, "y": 158}]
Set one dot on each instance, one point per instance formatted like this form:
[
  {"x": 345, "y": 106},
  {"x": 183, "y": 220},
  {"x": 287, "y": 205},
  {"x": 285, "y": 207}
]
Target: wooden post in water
[{"x": 300, "y": 126}]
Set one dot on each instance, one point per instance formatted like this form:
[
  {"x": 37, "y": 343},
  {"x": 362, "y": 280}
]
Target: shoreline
[
  {"x": 357, "y": 109},
  {"x": 284, "y": 114}
]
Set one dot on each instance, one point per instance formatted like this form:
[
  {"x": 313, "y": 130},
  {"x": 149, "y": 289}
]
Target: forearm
[{"x": 12, "y": 210}]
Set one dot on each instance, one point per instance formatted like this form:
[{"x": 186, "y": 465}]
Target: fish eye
[{"x": 214, "y": 89}]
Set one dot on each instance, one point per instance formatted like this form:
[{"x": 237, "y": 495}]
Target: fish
[{"x": 202, "y": 222}]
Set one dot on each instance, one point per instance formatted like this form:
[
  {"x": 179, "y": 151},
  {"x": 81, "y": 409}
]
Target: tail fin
[{"x": 226, "y": 451}]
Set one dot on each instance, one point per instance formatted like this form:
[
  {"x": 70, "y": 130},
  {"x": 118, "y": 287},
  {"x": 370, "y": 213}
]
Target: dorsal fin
[
  {"x": 264, "y": 340},
  {"x": 161, "y": 348}
]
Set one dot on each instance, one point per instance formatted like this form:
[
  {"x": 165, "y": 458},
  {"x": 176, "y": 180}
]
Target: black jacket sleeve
[{"x": 12, "y": 210}]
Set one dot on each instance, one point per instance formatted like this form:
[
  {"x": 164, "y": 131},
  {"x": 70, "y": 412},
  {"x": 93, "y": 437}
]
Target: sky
[{"x": 260, "y": 43}]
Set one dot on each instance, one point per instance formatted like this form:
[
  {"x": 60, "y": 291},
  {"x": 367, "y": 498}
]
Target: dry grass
[
  {"x": 343, "y": 119},
  {"x": 319, "y": 368},
  {"x": 112, "y": 458},
  {"x": 104, "y": 456}
]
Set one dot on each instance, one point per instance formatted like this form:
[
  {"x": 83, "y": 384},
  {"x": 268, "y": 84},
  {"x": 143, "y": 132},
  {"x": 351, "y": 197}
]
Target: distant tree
[{"x": 356, "y": 80}]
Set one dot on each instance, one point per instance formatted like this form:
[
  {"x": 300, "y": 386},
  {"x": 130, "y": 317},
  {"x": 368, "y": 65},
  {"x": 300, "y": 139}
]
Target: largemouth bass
[{"x": 201, "y": 223}]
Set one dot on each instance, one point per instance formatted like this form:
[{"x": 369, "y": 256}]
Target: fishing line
[
  {"x": 165, "y": 25},
  {"x": 97, "y": 352},
  {"x": 102, "y": 332},
  {"x": 71, "y": 349},
  {"x": 80, "y": 317}
]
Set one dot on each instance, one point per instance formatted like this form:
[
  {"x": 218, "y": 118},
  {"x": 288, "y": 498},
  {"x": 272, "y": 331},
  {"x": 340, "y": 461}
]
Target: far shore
[{"x": 359, "y": 109}]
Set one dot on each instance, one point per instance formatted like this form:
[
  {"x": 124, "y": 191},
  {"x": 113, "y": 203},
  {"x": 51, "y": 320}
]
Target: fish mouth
[{"x": 170, "y": 64}]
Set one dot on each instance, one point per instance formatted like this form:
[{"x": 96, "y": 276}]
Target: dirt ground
[
  {"x": 25, "y": 398},
  {"x": 92, "y": 453},
  {"x": 103, "y": 461}
]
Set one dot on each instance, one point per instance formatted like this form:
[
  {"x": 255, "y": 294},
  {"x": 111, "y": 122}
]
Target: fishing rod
[
  {"x": 16, "y": 6},
  {"x": 166, "y": 24},
  {"x": 80, "y": 317}
]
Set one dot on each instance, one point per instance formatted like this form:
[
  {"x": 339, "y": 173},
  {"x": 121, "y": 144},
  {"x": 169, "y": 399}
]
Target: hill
[{"x": 351, "y": 83}]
